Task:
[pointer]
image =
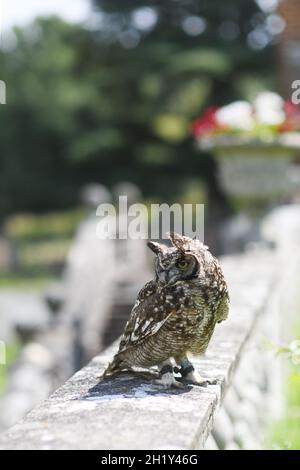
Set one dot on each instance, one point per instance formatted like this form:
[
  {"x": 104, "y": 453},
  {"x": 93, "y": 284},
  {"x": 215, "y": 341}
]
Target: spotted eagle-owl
[{"x": 175, "y": 314}]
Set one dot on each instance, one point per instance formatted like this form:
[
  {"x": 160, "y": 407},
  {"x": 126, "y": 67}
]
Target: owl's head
[{"x": 182, "y": 261}]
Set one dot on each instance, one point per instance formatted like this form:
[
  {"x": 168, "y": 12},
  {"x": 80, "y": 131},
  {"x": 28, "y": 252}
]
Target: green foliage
[
  {"x": 21, "y": 282},
  {"x": 30, "y": 227},
  {"x": 12, "y": 351},
  {"x": 207, "y": 61},
  {"x": 42, "y": 242},
  {"x": 43, "y": 256},
  {"x": 285, "y": 433},
  {"x": 292, "y": 351}
]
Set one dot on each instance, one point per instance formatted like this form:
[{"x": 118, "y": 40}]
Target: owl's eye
[{"x": 182, "y": 264}]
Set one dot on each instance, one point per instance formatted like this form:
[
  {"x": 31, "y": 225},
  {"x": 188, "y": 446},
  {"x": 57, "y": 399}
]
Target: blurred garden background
[
  {"x": 106, "y": 95},
  {"x": 113, "y": 98}
]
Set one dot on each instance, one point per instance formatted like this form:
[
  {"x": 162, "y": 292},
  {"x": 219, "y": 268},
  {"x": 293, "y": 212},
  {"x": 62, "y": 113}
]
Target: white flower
[
  {"x": 236, "y": 115},
  {"x": 270, "y": 117},
  {"x": 268, "y": 99},
  {"x": 268, "y": 108}
]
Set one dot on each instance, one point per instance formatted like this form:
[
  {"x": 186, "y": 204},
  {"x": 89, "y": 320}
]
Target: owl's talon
[{"x": 196, "y": 379}]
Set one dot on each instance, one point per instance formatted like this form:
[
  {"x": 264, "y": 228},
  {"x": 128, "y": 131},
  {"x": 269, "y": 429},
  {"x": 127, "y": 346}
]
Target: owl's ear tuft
[
  {"x": 177, "y": 240},
  {"x": 155, "y": 247}
]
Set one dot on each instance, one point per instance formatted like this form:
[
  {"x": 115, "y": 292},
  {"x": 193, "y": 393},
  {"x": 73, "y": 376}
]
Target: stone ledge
[{"x": 133, "y": 413}]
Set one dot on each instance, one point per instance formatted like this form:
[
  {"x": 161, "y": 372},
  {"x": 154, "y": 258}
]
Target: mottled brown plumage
[{"x": 176, "y": 313}]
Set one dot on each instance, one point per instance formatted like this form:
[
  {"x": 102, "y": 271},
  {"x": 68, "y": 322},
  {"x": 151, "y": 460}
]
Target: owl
[{"x": 175, "y": 314}]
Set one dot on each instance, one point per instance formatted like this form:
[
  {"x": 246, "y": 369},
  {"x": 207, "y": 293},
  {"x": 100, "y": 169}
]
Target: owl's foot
[
  {"x": 102, "y": 376},
  {"x": 195, "y": 378},
  {"x": 167, "y": 379},
  {"x": 190, "y": 376}
]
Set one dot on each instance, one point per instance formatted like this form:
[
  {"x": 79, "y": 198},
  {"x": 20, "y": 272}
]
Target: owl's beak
[{"x": 162, "y": 277}]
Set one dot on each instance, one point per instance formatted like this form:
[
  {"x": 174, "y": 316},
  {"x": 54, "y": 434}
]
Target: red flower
[
  {"x": 292, "y": 121},
  {"x": 291, "y": 108},
  {"x": 207, "y": 123}
]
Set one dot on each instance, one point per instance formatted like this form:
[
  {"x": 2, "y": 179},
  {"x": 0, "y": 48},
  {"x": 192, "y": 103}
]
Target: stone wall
[{"x": 131, "y": 412}]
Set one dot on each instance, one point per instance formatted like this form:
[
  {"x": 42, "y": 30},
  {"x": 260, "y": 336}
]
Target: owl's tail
[{"x": 115, "y": 367}]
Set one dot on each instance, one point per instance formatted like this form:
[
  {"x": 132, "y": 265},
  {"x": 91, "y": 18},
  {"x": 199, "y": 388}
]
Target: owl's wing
[
  {"x": 223, "y": 308},
  {"x": 146, "y": 318}
]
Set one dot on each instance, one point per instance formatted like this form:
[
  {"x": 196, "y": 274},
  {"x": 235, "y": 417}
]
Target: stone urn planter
[{"x": 254, "y": 172}]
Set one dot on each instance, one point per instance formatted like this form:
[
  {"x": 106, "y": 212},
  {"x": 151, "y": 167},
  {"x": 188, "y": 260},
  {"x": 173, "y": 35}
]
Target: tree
[{"x": 47, "y": 97}]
